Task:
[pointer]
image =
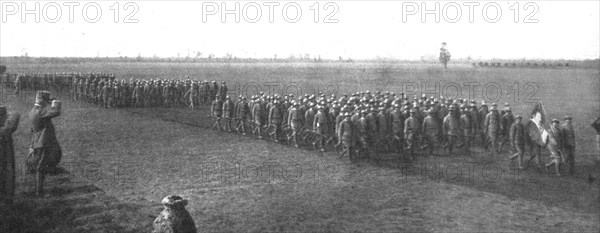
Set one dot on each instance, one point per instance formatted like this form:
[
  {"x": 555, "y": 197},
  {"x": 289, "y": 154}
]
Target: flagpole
[{"x": 544, "y": 109}]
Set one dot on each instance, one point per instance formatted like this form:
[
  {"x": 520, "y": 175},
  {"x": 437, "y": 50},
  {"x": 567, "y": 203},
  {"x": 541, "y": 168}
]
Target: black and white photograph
[{"x": 127, "y": 116}]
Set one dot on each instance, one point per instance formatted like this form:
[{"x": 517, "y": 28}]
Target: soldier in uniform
[
  {"x": 362, "y": 130},
  {"x": 8, "y": 125},
  {"x": 295, "y": 121},
  {"x": 346, "y": 135},
  {"x": 257, "y": 116},
  {"x": 243, "y": 110},
  {"x": 517, "y": 139},
  {"x": 596, "y": 126},
  {"x": 214, "y": 88},
  {"x": 217, "y": 111},
  {"x": 103, "y": 96},
  {"x": 451, "y": 128},
  {"x": 506, "y": 122},
  {"x": 397, "y": 123},
  {"x": 431, "y": 129},
  {"x": 383, "y": 126},
  {"x": 466, "y": 124},
  {"x": 223, "y": 90},
  {"x": 569, "y": 143},
  {"x": 320, "y": 125},
  {"x": 338, "y": 119},
  {"x": 554, "y": 144},
  {"x": 81, "y": 89},
  {"x": 411, "y": 131},
  {"x": 372, "y": 128},
  {"x": 482, "y": 114},
  {"x": 492, "y": 128},
  {"x": 275, "y": 119},
  {"x": 309, "y": 117},
  {"x": 228, "y": 113},
  {"x": 45, "y": 151}
]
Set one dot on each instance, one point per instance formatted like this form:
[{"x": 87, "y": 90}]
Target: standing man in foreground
[
  {"x": 45, "y": 152},
  {"x": 8, "y": 125},
  {"x": 569, "y": 144}
]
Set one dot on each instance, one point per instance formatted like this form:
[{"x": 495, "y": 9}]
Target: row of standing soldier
[
  {"x": 380, "y": 120},
  {"x": 373, "y": 123}
]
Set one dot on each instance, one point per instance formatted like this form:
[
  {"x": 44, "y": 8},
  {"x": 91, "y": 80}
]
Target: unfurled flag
[{"x": 535, "y": 127}]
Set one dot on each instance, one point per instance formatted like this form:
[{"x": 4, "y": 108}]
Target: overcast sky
[{"x": 364, "y": 29}]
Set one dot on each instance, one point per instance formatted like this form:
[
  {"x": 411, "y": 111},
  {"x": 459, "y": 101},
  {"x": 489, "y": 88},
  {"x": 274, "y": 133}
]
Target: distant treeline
[
  {"x": 561, "y": 63},
  {"x": 530, "y": 64}
]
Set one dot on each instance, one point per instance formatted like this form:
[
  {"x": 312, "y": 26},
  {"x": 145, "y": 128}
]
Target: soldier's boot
[
  {"x": 39, "y": 183},
  {"x": 238, "y": 126},
  {"x": 275, "y": 135},
  {"x": 243, "y": 127},
  {"x": 314, "y": 144},
  {"x": 468, "y": 147},
  {"x": 259, "y": 130},
  {"x": 295, "y": 137}
]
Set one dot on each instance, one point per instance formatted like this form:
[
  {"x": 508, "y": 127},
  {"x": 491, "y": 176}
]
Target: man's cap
[
  {"x": 518, "y": 117},
  {"x": 555, "y": 120},
  {"x": 568, "y": 117},
  {"x": 42, "y": 96}
]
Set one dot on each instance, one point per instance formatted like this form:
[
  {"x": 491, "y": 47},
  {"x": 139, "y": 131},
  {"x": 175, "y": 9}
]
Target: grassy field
[{"x": 122, "y": 162}]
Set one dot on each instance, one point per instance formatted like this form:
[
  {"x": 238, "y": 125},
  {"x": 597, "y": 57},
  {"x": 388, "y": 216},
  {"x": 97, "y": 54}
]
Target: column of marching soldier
[{"x": 360, "y": 124}]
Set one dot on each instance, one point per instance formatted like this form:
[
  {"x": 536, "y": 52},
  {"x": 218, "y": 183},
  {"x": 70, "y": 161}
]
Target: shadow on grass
[{"x": 67, "y": 206}]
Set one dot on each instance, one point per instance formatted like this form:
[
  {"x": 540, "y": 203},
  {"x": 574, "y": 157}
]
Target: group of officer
[{"x": 363, "y": 123}]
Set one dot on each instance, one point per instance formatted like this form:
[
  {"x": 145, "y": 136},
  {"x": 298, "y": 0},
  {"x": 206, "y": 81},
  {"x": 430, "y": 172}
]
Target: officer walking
[
  {"x": 569, "y": 143},
  {"x": 554, "y": 144},
  {"x": 517, "y": 140}
]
